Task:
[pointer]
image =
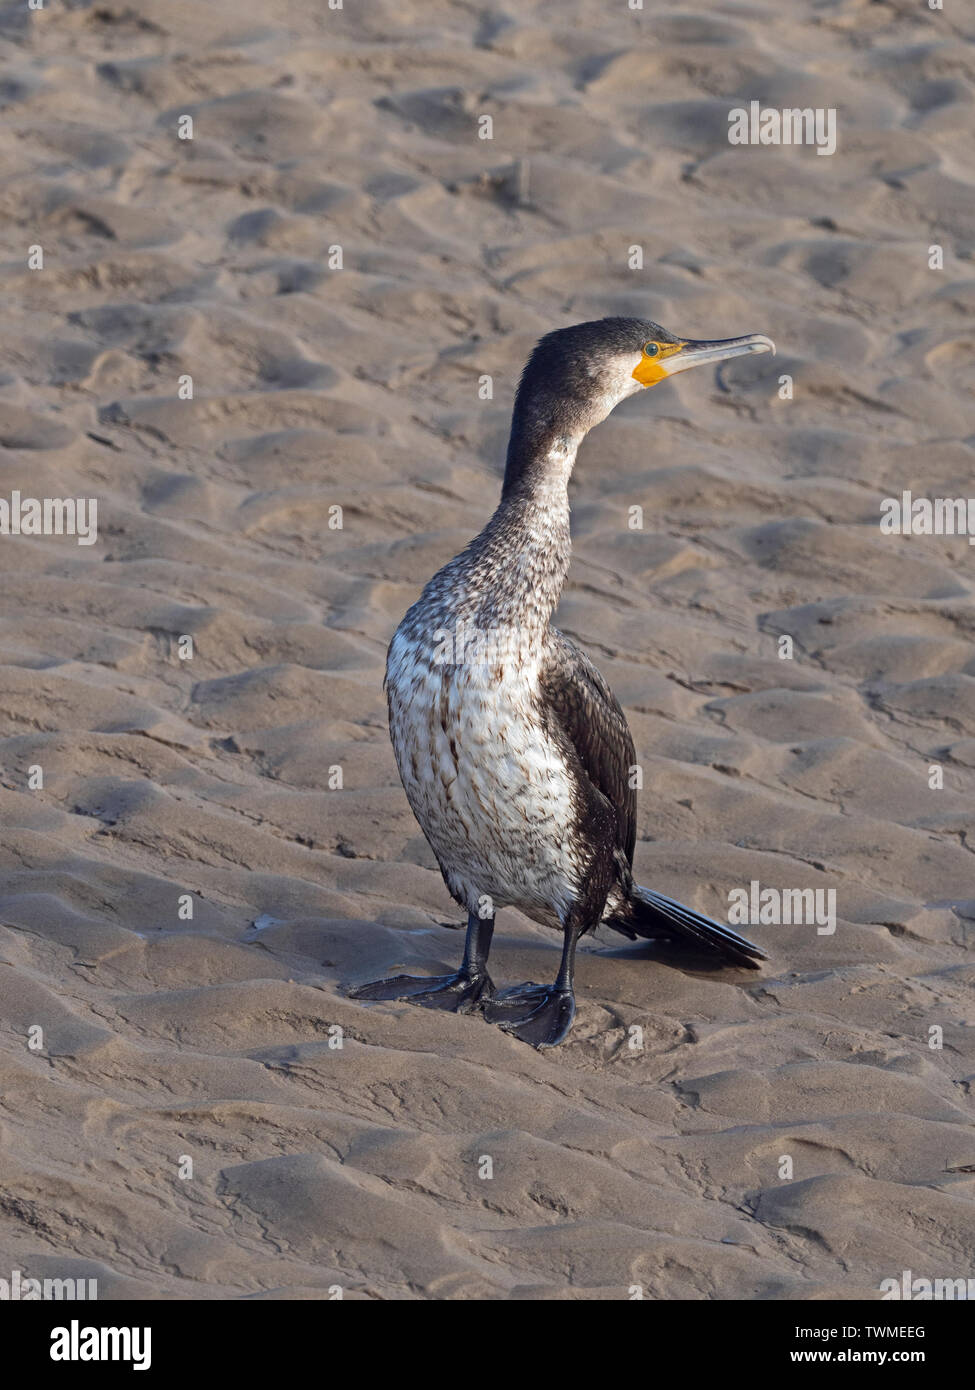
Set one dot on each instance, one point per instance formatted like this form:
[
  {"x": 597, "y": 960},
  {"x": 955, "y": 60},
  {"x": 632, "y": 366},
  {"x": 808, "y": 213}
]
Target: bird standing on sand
[{"x": 514, "y": 753}]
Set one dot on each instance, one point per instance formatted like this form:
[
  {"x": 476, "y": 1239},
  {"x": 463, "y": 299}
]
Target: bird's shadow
[{"x": 673, "y": 954}]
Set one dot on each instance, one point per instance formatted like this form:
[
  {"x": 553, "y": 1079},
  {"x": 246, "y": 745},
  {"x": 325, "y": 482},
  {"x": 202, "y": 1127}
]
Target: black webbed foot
[
  {"x": 537, "y": 1014},
  {"x": 458, "y": 993}
]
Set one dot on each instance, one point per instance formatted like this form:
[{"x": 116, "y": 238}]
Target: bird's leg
[
  {"x": 540, "y": 1014},
  {"x": 459, "y": 992}
]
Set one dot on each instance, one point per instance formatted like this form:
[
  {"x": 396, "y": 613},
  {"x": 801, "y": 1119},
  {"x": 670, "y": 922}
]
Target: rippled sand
[{"x": 317, "y": 387}]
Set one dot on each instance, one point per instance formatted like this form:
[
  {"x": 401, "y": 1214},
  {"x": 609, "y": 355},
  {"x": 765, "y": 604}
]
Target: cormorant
[{"x": 514, "y": 753}]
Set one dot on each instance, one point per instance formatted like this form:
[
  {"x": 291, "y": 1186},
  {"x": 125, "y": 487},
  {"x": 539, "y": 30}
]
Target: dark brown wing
[{"x": 590, "y": 716}]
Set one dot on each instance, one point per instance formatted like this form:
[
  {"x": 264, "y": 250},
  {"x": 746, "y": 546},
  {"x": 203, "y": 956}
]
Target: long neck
[{"x": 518, "y": 564}]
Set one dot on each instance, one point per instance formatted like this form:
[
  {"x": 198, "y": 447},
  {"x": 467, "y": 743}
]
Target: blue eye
[{"x": 651, "y": 349}]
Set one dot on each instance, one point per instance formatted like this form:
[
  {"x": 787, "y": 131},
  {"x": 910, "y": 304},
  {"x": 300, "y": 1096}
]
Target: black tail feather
[{"x": 651, "y": 914}]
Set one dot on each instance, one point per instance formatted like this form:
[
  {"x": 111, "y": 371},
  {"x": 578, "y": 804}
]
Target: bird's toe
[
  {"x": 540, "y": 1015},
  {"x": 456, "y": 993}
]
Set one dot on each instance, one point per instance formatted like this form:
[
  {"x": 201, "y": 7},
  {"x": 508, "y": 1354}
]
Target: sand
[{"x": 206, "y": 779}]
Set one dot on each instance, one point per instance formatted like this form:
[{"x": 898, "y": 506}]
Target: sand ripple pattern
[{"x": 315, "y": 387}]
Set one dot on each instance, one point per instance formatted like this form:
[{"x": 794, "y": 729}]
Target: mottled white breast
[{"x": 490, "y": 790}]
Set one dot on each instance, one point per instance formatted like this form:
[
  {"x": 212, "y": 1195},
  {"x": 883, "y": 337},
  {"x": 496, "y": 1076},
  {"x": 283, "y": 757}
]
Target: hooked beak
[{"x": 678, "y": 357}]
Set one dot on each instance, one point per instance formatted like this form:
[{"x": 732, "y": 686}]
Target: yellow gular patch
[{"x": 649, "y": 370}]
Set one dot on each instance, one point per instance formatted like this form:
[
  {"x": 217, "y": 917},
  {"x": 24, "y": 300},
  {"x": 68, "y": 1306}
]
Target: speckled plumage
[{"x": 490, "y": 790}]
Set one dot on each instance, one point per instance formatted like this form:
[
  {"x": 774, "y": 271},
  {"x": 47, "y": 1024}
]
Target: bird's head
[
  {"x": 577, "y": 375},
  {"x": 581, "y": 373}
]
